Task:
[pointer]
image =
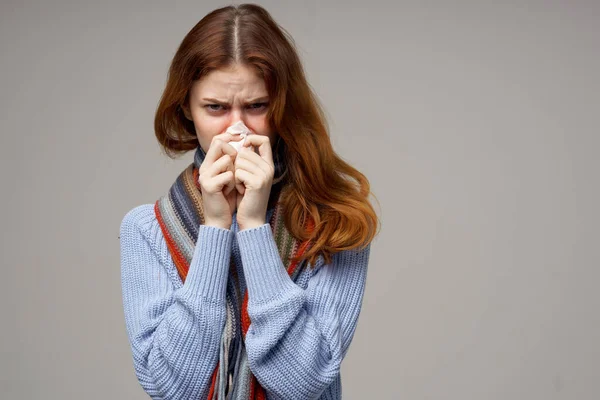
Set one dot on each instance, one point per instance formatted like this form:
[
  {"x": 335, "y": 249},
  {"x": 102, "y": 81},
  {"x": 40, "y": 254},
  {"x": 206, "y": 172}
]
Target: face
[{"x": 225, "y": 96}]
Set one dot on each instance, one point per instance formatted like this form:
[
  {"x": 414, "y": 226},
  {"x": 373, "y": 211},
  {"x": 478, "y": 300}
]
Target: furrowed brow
[
  {"x": 259, "y": 99},
  {"x": 225, "y": 103}
]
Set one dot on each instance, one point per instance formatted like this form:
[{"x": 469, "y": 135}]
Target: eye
[
  {"x": 210, "y": 107},
  {"x": 258, "y": 106}
]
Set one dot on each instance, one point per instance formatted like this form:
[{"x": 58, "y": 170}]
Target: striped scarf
[{"x": 179, "y": 214}]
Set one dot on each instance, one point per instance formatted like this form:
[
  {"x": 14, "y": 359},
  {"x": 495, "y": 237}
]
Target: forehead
[{"x": 230, "y": 82}]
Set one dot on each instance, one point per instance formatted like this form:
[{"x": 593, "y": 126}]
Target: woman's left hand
[{"x": 253, "y": 179}]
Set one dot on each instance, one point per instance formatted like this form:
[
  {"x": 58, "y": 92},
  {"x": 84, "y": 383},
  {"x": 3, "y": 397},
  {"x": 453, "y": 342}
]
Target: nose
[{"x": 236, "y": 115}]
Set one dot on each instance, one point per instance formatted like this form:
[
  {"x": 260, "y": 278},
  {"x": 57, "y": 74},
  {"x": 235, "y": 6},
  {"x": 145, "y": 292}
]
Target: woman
[{"x": 246, "y": 279}]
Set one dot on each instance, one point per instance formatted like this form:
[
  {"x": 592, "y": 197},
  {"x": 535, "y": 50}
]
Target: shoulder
[
  {"x": 141, "y": 232},
  {"x": 357, "y": 257},
  {"x": 139, "y": 224},
  {"x": 359, "y": 254},
  {"x": 139, "y": 218}
]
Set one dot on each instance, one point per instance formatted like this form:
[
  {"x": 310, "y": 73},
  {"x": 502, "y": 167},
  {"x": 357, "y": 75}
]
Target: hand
[
  {"x": 253, "y": 179},
  {"x": 217, "y": 183}
]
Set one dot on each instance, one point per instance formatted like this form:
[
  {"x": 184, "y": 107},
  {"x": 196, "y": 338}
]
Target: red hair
[{"x": 318, "y": 178}]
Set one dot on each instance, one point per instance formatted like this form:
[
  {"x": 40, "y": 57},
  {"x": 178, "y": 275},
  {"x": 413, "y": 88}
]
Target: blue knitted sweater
[{"x": 300, "y": 331}]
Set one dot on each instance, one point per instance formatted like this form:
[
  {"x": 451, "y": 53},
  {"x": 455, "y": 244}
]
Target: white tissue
[{"x": 238, "y": 129}]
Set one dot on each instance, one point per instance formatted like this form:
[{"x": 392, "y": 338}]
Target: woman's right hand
[{"x": 217, "y": 183}]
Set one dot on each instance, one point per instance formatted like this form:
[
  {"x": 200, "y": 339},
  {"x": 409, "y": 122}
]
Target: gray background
[{"x": 476, "y": 123}]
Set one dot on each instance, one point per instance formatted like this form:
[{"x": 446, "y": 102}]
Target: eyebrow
[{"x": 255, "y": 100}]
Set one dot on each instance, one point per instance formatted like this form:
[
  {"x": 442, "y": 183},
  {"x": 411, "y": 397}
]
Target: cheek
[
  {"x": 207, "y": 128},
  {"x": 259, "y": 125}
]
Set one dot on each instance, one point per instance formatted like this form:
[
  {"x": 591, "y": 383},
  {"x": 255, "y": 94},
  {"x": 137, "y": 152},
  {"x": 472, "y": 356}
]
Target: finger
[
  {"x": 217, "y": 184},
  {"x": 218, "y": 146},
  {"x": 229, "y": 183},
  {"x": 214, "y": 151},
  {"x": 263, "y": 163},
  {"x": 229, "y": 167},
  {"x": 263, "y": 144},
  {"x": 224, "y": 145},
  {"x": 229, "y": 186},
  {"x": 248, "y": 165},
  {"x": 224, "y": 163},
  {"x": 240, "y": 178},
  {"x": 246, "y": 154},
  {"x": 247, "y": 179}
]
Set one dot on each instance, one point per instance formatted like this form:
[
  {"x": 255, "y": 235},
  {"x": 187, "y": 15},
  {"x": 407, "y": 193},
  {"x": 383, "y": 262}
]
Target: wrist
[
  {"x": 216, "y": 225},
  {"x": 251, "y": 224}
]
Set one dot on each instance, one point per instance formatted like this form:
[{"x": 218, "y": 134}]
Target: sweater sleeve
[
  {"x": 174, "y": 332},
  {"x": 298, "y": 337}
]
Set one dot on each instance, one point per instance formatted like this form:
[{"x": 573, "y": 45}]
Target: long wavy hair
[{"x": 319, "y": 184}]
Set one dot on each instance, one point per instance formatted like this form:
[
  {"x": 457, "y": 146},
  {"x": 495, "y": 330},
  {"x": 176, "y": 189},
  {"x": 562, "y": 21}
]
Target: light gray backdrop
[{"x": 477, "y": 124}]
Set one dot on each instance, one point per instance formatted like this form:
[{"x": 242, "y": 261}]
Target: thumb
[
  {"x": 239, "y": 185},
  {"x": 229, "y": 186}
]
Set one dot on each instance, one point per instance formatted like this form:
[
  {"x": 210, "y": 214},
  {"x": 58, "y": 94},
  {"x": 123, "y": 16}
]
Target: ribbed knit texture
[
  {"x": 179, "y": 213},
  {"x": 299, "y": 334},
  {"x": 300, "y": 331}
]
